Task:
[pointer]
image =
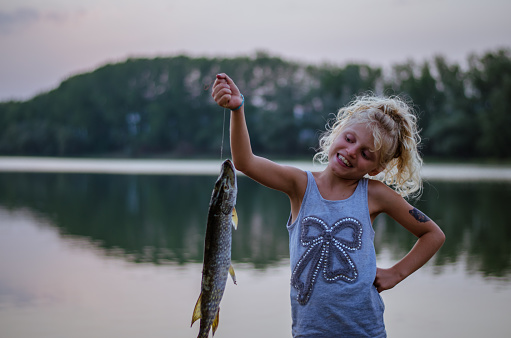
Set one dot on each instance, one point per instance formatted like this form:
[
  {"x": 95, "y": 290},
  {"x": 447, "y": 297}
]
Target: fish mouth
[
  {"x": 344, "y": 160},
  {"x": 227, "y": 179},
  {"x": 229, "y": 171}
]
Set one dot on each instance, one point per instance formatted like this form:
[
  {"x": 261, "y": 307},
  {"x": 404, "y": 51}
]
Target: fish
[{"x": 222, "y": 217}]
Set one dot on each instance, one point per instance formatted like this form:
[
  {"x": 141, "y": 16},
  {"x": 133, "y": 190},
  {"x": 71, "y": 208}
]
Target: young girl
[{"x": 335, "y": 283}]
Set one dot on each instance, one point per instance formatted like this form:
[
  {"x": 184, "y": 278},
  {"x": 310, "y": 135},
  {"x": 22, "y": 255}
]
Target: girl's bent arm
[{"x": 430, "y": 236}]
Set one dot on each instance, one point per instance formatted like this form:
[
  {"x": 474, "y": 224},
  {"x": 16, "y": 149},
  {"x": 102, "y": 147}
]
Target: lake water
[{"x": 105, "y": 255}]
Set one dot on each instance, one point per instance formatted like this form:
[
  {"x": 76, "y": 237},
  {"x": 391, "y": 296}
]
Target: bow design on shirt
[{"x": 327, "y": 252}]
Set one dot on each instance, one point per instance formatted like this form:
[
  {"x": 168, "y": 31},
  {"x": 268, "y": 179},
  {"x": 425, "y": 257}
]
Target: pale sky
[{"x": 42, "y": 42}]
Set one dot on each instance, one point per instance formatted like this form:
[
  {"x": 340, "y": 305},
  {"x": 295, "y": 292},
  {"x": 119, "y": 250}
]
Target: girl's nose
[{"x": 351, "y": 151}]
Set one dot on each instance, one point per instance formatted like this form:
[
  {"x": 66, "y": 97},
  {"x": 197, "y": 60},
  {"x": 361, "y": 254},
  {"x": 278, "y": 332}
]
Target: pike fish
[{"x": 217, "y": 250}]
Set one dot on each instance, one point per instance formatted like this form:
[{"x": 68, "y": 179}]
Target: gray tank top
[{"x": 333, "y": 266}]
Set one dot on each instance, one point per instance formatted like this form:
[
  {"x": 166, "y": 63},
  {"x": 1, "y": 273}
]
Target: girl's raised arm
[{"x": 287, "y": 179}]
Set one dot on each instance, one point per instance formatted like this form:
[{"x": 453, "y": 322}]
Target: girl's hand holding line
[{"x": 225, "y": 93}]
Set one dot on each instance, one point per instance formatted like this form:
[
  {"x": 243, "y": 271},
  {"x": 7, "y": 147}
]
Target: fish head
[{"x": 226, "y": 187}]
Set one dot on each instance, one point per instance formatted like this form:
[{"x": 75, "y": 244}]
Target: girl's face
[{"x": 352, "y": 154}]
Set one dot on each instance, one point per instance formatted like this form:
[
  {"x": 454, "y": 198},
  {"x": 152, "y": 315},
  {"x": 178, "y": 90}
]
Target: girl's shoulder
[
  {"x": 377, "y": 188},
  {"x": 380, "y": 196}
]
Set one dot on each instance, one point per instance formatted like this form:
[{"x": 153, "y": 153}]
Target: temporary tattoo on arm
[{"x": 419, "y": 215}]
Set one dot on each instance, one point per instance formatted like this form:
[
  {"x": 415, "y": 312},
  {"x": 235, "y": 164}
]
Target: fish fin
[
  {"x": 234, "y": 219},
  {"x": 196, "y": 311},
  {"x": 215, "y": 321},
  {"x": 233, "y": 275}
]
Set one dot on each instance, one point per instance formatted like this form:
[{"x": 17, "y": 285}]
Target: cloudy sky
[{"x": 42, "y": 42}]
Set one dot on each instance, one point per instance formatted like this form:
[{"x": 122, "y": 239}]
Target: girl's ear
[{"x": 376, "y": 171}]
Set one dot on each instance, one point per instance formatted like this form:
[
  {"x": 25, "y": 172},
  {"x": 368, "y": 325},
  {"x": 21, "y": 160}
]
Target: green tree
[
  {"x": 455, "y": 129},
  {"x": 143, "y": 107},
  {"x": 491, "y": 79}
]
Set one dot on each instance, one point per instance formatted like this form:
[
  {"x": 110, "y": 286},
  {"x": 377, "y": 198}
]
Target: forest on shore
[{"x": 162, "y": 107}]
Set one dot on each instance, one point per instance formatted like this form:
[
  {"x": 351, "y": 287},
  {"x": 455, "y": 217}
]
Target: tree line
[{"x": 162, "y": 106}]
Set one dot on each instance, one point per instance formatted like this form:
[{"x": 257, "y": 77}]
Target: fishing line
[
  {"x": 206, "y": 86},
  {"x": 223, "y": 136}
]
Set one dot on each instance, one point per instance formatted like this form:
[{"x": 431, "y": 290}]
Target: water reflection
[
  {"x": 158, "y": 219},
  {"x": 161, "y": 219},
  {"x": 472, "y": 215}
]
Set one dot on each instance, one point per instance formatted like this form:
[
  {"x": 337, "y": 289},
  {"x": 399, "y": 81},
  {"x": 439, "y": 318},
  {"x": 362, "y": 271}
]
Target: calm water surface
[{"x": 93, "y": 255}]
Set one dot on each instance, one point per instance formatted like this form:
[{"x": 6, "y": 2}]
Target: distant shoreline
[{"x": 435, "y": 172}]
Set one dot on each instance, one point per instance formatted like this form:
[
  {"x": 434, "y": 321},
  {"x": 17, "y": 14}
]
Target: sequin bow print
[{"x": 327, "y": 252}]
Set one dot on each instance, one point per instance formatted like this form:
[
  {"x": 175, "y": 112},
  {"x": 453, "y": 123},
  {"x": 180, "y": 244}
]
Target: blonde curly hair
[{"x": 394, "y": 126}]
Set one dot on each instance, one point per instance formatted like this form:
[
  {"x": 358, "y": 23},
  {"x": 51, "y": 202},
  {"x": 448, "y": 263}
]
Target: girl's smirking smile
[{"x": 353, "y": 151}]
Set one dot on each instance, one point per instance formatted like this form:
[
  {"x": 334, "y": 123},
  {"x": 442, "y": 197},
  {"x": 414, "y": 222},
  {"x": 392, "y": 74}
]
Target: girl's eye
[{"x": 364, "y": 155}]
